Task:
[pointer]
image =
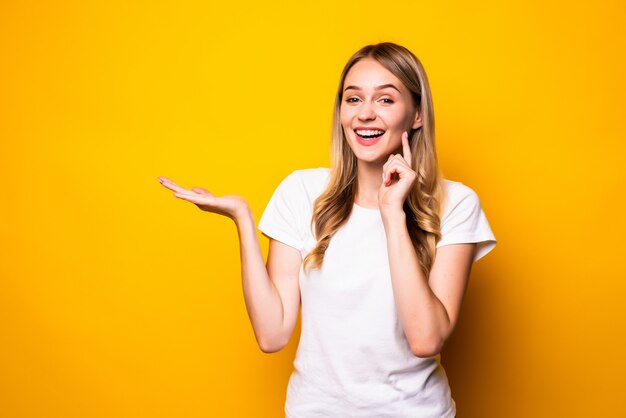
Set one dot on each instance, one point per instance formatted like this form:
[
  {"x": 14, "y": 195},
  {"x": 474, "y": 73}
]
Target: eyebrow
[{"x": 384, "y": 86}]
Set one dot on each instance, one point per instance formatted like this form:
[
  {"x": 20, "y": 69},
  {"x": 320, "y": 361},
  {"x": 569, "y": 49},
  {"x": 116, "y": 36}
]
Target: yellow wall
[{"x": 118, "y": 300}]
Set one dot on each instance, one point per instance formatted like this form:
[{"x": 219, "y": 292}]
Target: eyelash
[{"x": 349, "y": 100}]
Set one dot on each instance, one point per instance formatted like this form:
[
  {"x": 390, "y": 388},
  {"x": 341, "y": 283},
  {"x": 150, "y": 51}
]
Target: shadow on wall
[{"x": 477, "y": 357}]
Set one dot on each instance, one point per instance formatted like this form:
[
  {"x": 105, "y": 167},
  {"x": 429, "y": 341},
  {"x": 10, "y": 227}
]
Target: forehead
[{"x": 369, "y": 73}]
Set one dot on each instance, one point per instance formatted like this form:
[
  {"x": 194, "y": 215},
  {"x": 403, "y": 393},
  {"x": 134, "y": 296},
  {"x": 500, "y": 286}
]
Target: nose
[{"x": 367, "y": 111}]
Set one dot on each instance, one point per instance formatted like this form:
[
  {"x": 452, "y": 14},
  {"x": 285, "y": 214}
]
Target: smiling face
[{"x": 376, "y": 108}]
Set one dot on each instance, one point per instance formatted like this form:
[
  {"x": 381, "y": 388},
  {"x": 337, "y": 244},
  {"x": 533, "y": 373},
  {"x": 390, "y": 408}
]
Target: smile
[
  {"x": 368, "y": 137},
  {"x": 369, "y": 133}
]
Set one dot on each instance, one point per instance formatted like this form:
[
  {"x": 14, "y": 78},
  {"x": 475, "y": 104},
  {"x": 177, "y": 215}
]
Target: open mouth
[{"x": 369, "y": 133}]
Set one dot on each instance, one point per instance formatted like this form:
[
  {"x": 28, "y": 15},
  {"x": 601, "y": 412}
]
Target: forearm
[
  {"x": 422, "y": 315},
  {"x": 262, "y": 299}
]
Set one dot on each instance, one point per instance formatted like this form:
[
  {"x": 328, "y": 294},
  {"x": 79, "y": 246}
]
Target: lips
[
  {"x": 376, "y": 128},
  {"x": 368, "y": 142},
  {"x": 367, "y": 132}
]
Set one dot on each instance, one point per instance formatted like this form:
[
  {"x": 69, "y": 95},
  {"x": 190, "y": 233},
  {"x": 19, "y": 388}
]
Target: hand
[
  {"x": 228, "y": 205},
  {"x": 392, "y": 193}
]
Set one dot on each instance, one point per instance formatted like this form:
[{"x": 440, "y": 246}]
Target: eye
[
  {"x": 388, "y": 100},
  {"x": 350, "y": 100}
]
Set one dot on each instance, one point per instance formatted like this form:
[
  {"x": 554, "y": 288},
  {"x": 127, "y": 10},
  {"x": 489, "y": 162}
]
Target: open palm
[{"x": 227, "y": 205}]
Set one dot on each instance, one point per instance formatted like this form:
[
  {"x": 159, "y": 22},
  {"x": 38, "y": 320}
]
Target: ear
[{"x": 417, "y": 122}]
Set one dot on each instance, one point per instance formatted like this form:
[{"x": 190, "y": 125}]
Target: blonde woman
[{"x": 377, "y": 250}]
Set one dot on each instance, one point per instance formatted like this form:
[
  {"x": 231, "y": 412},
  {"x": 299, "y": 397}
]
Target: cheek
[
  {"x": 346, "y": 116},
  {"x": 397, "y": 119},
  {"x": 393, "y": 120}
]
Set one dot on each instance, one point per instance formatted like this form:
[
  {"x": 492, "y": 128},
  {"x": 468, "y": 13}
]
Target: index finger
[{"x": 406, "y": 149}]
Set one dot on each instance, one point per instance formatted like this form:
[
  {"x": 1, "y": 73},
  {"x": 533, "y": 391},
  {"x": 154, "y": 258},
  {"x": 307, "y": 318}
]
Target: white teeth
[{"x": 368, "y": 132}]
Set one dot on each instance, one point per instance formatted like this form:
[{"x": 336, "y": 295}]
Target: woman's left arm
[{"x": 428, "y": 308}]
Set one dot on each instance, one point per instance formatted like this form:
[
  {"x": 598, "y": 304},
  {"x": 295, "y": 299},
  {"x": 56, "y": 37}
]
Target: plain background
[{"x": 118, "y": 300}]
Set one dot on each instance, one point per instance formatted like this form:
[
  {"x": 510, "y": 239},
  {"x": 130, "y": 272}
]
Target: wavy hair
[{"x": 424, "y": 201}]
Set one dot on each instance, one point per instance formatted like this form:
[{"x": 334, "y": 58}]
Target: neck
[{"x": 369, "y": 181}]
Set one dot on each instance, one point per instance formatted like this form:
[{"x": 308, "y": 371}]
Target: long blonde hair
[{"x": 424, "y": 202}]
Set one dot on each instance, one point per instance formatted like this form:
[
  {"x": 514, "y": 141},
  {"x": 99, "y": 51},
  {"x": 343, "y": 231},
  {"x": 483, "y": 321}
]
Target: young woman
[{"x": 377, "y": 249}]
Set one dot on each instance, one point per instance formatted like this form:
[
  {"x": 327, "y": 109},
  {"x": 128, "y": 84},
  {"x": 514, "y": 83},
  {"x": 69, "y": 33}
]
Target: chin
[{"x": 372, "y": 158}]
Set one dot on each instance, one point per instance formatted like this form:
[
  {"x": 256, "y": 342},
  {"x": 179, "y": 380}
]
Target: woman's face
[{"x": 375, "y": 101}]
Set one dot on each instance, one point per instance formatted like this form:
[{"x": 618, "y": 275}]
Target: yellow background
[{"x": 119, "y": 300}]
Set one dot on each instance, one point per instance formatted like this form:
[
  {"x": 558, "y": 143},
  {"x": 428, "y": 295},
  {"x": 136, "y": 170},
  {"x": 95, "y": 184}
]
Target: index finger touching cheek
[{"x": 406, "y": 153}]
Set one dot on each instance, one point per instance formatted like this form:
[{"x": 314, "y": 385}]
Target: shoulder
[
  {"x": 302, "y": 186},
  {"x": 458, "y": 196},
  {"x": 311, "y": 175},
  {"x": 464, "y": 221},
  {"x": 457, "y": 189},
  {"x": 311, "y": 180}
]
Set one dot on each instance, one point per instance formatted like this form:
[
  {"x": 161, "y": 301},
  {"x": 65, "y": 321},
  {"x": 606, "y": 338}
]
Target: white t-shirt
[{"x": 353, "y": 359}]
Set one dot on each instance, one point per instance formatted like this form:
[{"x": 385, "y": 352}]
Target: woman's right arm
[{"x": 272, "y": 292}]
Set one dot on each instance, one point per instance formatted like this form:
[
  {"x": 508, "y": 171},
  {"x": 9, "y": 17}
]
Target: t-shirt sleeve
[
  {"x": 282, "y": 218},
  {"x": 465, "y": 221}
]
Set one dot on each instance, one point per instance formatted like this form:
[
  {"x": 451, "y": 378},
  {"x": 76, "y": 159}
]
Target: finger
[
  {"x": 194, "y": 198},
  {"x": 386, "y": 169},
  {"x": 389, "y": 171},
  {"x": 392, "y": 169},
  {"x": 392, "y": 157},
  {"x": 202, "y": 191},
  {"x": 173, "y": 186},
  {"x": 187, "y": 194},
  {"x": 398, "y": 165},
  {"x": 163, "y": 179},
  {"x": 406, "y": 149}
]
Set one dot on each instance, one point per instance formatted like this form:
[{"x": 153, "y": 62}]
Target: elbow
[
  {"x": 427, "y": 348},
  {"x": 267, "y": 346}
]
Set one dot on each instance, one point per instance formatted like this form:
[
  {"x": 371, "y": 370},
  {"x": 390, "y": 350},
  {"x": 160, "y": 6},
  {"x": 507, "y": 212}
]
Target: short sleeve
[
  {"x": 282, "y": 218},
  {"x": 465, "y": 221}
]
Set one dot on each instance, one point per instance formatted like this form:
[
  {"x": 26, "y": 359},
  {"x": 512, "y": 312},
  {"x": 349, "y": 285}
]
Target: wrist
[
  {"x": 243, "y": 214},
  {"x": 392, "y": 215}
]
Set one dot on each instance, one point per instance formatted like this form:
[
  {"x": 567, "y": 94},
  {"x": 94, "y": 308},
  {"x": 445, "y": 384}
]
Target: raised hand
[
  {"x": 392, "y": 194},
  {"x": 230, "y": 205}
]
